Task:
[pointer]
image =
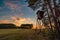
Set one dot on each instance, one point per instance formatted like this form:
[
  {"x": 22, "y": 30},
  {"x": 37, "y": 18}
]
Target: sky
[{"x": 16, "y": 12}]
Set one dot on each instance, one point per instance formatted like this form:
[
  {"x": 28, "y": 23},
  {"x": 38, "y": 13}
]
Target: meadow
[{"x": 21, "y": 34}]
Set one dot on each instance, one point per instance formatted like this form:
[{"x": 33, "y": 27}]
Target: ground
[{"x": 20, "y": 34}]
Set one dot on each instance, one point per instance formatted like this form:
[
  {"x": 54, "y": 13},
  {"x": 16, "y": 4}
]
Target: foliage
[{"x": 31, "y": 3}]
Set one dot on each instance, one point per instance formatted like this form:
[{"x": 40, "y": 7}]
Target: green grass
[{"x": 21, "y": 34}]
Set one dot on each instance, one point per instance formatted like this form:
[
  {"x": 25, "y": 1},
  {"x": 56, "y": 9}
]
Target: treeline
[
  {"x": 7, "y": 26},
  {"x": 12, "y": 26}
]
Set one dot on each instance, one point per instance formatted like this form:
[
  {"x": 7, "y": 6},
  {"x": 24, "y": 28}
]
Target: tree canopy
[{"x": 32, "y": 2}]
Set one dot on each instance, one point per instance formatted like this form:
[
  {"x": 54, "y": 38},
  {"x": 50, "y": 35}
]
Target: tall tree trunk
[
  {"x": 56, "y": 14},
  {"x": 49, "y": 17},
  {"x": 54, "y": 17}
]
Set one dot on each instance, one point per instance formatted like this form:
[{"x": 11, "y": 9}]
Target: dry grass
[{"x": 21, "y": 34}]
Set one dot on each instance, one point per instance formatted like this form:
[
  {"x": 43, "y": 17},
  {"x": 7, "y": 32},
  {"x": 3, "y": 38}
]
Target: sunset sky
[{"x": 16, "y": 12}]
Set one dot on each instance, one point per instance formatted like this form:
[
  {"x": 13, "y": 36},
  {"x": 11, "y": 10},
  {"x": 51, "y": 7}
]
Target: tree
[
  {"x": 33, "y": 4},
  {"x": 41, "y": 3}
]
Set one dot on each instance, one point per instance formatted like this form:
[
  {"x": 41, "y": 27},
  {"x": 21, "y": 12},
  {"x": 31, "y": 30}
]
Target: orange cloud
[
  {"x": 4, "y": 21},
  {"x": 18, "y": 21}
]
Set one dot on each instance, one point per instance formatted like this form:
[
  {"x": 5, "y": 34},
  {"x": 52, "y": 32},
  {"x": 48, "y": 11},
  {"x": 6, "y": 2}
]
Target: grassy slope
[{"x": 20, "y": 34}]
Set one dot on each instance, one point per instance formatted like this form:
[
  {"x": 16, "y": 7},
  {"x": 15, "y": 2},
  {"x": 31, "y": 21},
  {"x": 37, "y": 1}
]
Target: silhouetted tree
[{"x": 54, "y": 10}]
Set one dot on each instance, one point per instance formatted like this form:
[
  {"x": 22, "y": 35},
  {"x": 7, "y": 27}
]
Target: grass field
[{"x": 20, "y": 34}]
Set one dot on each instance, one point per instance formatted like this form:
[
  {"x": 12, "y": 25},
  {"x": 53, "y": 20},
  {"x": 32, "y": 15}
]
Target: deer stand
[{"x": 39, "y": 23}]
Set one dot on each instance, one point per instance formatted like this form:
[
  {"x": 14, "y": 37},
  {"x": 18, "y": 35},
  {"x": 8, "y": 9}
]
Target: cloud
[
  {"x": 11, "y": 5},
  {"x": 13, "y": 20},
  {"x": 17, "y": 15},
  {"x": 18, "y": 21},
  {"x": 4, "y": 21},
  {"x": 14, "y": 7},
  {"x": 0, "y": 8}
]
